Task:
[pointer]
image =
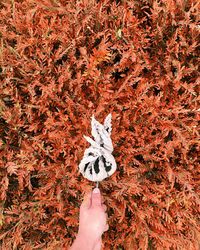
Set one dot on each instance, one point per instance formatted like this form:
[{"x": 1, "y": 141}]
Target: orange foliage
[{"x": 62, "y": 61}]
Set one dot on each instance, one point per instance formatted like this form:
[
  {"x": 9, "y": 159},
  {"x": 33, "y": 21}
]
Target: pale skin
[{"x": 92, "y": 222}]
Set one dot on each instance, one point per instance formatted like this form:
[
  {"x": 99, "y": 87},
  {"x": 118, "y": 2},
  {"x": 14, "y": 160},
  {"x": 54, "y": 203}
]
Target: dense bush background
[{"x": 62, "y": 61}]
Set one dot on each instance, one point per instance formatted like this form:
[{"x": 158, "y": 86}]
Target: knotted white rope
[{"x": 98, "y": 162}]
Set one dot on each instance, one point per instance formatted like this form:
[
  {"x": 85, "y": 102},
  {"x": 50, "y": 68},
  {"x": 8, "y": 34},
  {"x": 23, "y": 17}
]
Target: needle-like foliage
[{"x": 62, "y": 61}]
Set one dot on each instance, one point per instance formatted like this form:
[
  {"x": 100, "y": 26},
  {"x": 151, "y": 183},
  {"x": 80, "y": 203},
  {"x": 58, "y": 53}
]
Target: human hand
[{"x": 93, "y": 218}]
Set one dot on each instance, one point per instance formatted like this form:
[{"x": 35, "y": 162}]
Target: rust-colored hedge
[{"x": 62, "y": 61}]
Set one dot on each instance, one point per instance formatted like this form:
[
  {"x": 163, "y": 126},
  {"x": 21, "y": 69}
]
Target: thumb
[{"x": 96, "y": 198}]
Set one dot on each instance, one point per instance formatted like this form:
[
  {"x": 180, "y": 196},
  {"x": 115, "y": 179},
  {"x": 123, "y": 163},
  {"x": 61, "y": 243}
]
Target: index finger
[{"x": 86, "y": 200}]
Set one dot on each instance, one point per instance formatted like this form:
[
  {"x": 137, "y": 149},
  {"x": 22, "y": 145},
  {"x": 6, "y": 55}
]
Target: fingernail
[{"x": 96, "y": 191}]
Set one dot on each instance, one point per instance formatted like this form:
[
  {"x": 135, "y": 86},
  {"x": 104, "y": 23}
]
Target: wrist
[
  {"x": 89, "y": 237},
  {"x": 83, "y": 242}
]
